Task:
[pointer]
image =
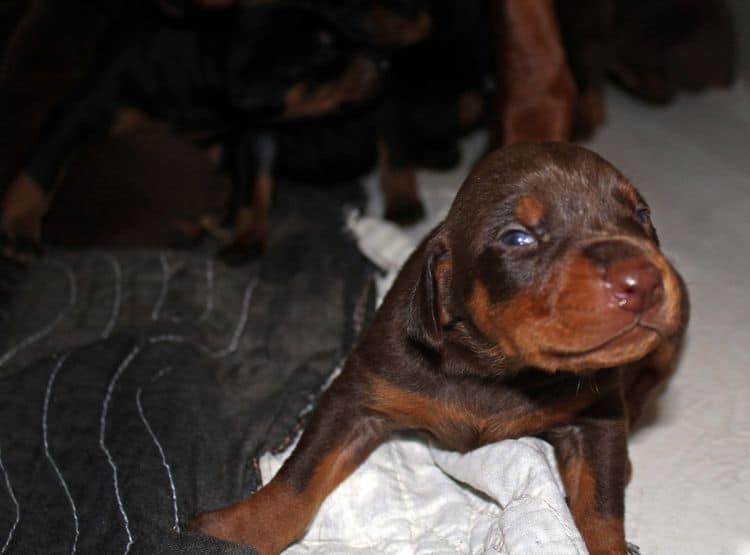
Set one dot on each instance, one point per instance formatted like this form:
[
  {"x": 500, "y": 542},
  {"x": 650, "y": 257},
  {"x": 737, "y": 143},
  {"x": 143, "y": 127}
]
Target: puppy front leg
[
  {"x": 538, "y": 93},
  {"x": 252, "y": 160},
  {"x": 593, "y": 462},
  {"x": 398, "y": 183},
  {"x": 74, "y": 122},
  {"x": 24, "y": 206},
  {"x": 339, "y": 437}
]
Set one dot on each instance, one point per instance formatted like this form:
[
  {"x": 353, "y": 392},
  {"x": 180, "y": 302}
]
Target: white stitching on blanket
[
  {"x": 103, "y": 446},
  {"x": 161, "y": 373},
  {"x": 117, "y": 298},
  {"x": 164, "y": 286},
  {"x": 15, "y": 502},
  {"x": 233, "y": 344},
  {"x": 58, "y": 365},
  {"x": 36, "y": 336},
  {"x": 170, "y": 338},
  {"x": 229, "y": 349},
  {"x": 209, "y": 290},
  {"x": 176, "y": 526}
]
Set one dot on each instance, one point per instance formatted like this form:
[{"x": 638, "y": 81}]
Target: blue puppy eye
[{"x": 517, "y": 238}]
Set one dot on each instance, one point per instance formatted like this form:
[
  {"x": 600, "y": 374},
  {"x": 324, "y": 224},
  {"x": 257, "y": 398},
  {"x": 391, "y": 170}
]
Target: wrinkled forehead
[
  {"x": 583, "y": 194},
  {"x": 557, "y": 185}
]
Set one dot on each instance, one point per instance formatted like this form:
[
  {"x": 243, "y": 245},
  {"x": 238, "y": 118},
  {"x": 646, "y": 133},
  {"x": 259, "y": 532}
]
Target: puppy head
[{"x": 549, "y": 254}]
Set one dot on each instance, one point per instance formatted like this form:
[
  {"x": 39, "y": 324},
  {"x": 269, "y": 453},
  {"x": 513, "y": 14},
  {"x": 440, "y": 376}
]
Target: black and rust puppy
[
  {"x": 545, "y": 273},
  {"x": 222, "y": 73}
]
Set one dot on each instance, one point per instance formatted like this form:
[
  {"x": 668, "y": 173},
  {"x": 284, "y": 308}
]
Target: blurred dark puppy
[
  {"x": 11, "y": 12},
  {"x": 587, "y": 28},
  {"x": 664, "y": 46},
  {"x": 434, "y": 93},
  {"x": 219, "y": 74},
  {"x": 653, "y": 49},
  {"x": 263, "y": 78}
]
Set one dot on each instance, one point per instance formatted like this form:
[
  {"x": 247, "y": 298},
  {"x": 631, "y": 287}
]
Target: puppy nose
[{"x": 635, "y": 283}]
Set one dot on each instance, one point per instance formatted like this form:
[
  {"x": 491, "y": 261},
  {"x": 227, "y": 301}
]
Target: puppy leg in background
[
  {"x": 398, "y": 183},
  {"x": 537, "y": 94},
  {"x": 24, "y": 206},
  {"x": 396, "y": 165},
  {"x": 661, "y": 48},
  {"x": 252, "y": 161},
  {"x": 27, "y": 200},
  {"x": 86, "y": 112},
  {"x": 339, "y": 437},
  {"x": 592, "y": 457},
  {"x": 587, "y": 28}
]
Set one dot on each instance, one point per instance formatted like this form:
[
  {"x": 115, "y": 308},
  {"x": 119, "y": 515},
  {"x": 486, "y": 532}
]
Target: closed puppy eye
[
  {"x": 643, "y": 214},
  {"x": 517, "y": 237}
]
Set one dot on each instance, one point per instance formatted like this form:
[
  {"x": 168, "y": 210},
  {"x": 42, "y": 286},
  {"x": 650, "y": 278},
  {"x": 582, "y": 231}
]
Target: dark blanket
[{"x": 138, "y": 388}]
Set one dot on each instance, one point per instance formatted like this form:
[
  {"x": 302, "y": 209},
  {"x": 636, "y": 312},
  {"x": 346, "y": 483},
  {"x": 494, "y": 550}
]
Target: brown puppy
[{"x": 545, "y": 273}]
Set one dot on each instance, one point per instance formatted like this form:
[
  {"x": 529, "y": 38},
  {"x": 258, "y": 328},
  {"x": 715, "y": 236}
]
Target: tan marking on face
[
  {"x": 485, "y": 318},
  {"x": 529, "y": 211},
  {"x": 570, "y": 321}
]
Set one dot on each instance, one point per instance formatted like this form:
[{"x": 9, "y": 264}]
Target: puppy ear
[{"x": 428, "y": 308}]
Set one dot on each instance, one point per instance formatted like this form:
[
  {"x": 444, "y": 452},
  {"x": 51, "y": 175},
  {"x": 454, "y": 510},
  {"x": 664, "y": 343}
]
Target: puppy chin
[{"x": 632, "y": 345}]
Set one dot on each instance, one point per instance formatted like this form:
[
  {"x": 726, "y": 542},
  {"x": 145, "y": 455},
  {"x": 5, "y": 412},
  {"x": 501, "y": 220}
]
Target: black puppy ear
[{"x": 428, "y": 310}]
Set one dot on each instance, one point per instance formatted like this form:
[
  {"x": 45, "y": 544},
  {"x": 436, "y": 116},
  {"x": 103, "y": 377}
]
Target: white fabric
[{"x": 406, "y": 499}]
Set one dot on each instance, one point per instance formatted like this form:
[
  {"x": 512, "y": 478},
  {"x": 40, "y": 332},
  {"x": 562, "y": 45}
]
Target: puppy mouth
[{"x": 636, "y": 326}]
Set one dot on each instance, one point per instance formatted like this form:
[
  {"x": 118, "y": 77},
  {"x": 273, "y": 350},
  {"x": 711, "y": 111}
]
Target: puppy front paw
[
  {"x": 247, "y": 241},
  {"x": 233, "y": 524},
  {"x": 215, "y": 524}
]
